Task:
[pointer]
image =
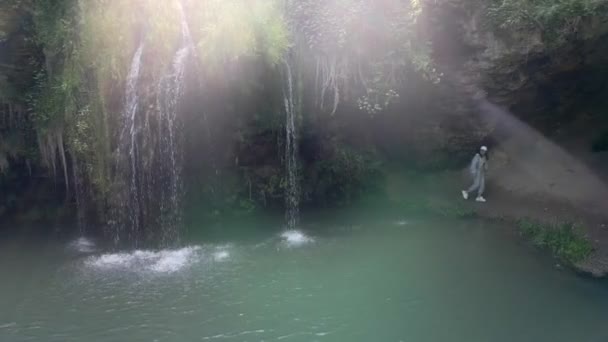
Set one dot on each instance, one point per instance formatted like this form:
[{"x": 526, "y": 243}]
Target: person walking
[{"x": 478, "y": 168}]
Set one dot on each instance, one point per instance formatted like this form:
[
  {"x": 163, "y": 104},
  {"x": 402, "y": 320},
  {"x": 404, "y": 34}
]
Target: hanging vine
[{"x": 361, "y": 47}]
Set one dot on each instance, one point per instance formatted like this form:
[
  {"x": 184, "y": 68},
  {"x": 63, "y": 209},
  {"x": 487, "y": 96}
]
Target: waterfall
[
  {"x": 149, "y": 155},
  {"x": 130, "y": 112},
  {"x": 170, "y": 91},
  {"x": 292, "y": 191},
  {"x": 170, "y": 153},
  {"x": 129, "y": 207},
  {"x": 80, "y": 197}
]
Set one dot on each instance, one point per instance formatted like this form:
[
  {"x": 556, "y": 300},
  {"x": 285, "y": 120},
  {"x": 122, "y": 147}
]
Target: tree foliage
[
  {"x": 228, "y": 30},
  {"x": 362, "y": 47},
  {"x": 356, "y": 50},
  {"x": 558, "y": 20},
  {"x": 86, "y": 48}
]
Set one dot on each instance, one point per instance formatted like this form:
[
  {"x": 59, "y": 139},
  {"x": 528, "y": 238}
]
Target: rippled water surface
[{"x": 405, "y": 280}]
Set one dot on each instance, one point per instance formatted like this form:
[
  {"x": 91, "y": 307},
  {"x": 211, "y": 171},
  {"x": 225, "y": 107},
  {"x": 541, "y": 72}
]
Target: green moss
[
  {"x": 454, "y": 211},
  {"x": 565, "y": 240},
  {"x": 346, "y": 177}
]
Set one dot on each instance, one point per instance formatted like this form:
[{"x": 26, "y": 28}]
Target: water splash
[
  {"x": 295, "y": 238},
  {"x": 163, "y": 261},
  {"x": 221, "y": 255},
  {"x": 292, "y": 191},
  {"x": 82, "y": 245}
]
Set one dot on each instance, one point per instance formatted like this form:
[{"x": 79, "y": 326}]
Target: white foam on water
[
  {"x": 402, "y": 223},
  {"x": 83, "y": 245},
  {"x": 226, "y": 336},
  {"x": 111, "y": 260},
  {"x": 221, "y": 255},
  {"x": 171, "y": 261},
  {"x": 163, "y": 261},
  {"x": 295, "y": 238}
]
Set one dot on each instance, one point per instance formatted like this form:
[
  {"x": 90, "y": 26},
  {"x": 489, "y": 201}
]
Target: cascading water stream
[
  {"x": 128, "y": 156},
  {"x": 79, "y": 196},
  {"x": 170, "y": 91},
  {"x": 150, "y": 154},
  {"x": 292, "y": 191}
]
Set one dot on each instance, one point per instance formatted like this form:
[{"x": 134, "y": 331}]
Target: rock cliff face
[
  {"x": 15, "y": 51},
  {"x": 526, "y": 69},
  {"x": 523, "y": 69},
  {"x": 535, "y": 76},
  {"x": 536, "y": 79}
]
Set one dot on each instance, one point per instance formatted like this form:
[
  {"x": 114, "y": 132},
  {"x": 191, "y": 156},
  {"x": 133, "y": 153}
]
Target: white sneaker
[
  {"x": 465, "y": 195},
  {"x": 480, "y": 199}
]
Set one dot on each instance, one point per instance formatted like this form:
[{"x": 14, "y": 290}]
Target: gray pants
[{"x": 479, "y": 184}]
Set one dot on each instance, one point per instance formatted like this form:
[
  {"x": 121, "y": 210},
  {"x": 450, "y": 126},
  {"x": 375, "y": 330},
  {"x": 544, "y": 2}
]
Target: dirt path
[
  {"x": 512, "y": 197},
  {"x": 531, "y": 176}
]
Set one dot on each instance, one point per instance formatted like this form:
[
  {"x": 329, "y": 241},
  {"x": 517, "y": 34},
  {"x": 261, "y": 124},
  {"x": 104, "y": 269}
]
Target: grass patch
[
  {"x": 452, "y": 211},
  {"x": 565, "y": 240}
]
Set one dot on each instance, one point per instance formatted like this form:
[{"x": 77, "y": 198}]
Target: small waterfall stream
[
  {"x": 170, "y": 91},
  {"x": 292, "y": 189},
  {"x": 129, "y": 211},
  {"x": 150, "y": 154},
  {"x": 79, "y": 196}
]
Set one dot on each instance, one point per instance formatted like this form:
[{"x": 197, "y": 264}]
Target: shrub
[
  {"x": 565, "y": 240},
  {"x": 556, "y": 20},
  {"x": 346, "y": 177}
]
